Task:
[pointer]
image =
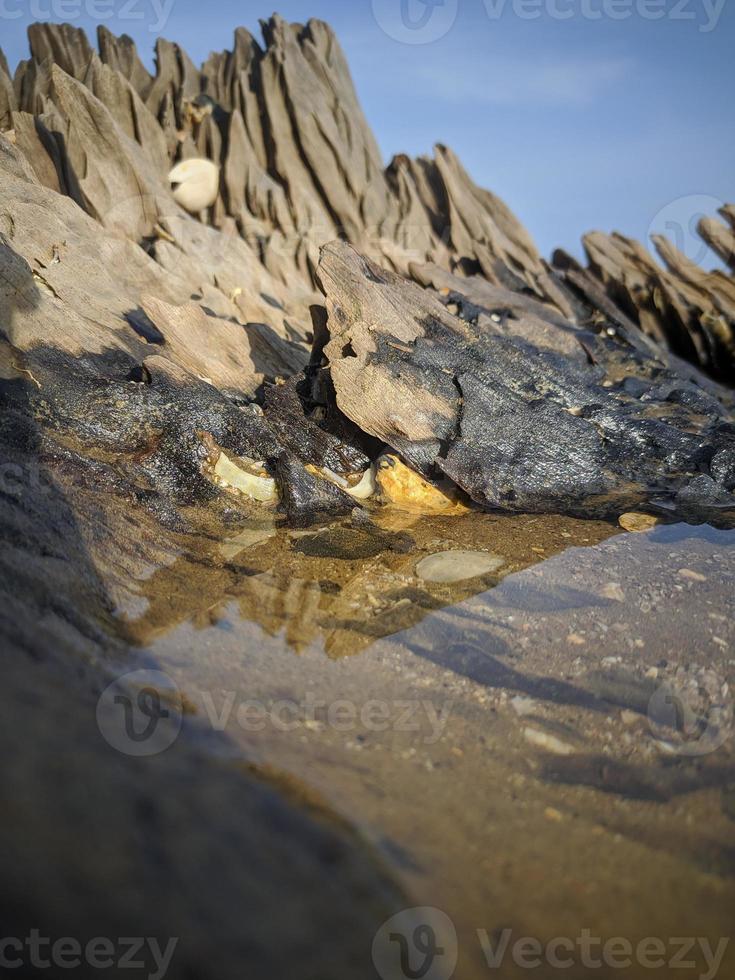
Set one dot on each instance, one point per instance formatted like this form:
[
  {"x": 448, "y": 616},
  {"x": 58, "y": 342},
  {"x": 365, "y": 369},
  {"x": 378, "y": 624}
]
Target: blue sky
[{"x": 605, "y": 119}]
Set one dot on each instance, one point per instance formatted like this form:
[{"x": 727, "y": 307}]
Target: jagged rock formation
[
  {"x": 145, "y": 327},
  {"x": 300, "y": 167},
  {"x": 681, "y": 306}
]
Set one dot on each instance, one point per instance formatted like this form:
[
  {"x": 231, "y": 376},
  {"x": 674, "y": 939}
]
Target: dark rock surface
[{"x": 518, "y": 426}]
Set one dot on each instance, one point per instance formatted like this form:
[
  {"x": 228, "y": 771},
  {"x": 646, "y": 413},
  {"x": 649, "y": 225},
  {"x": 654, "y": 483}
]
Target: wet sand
[{"x": 506, "y": 744}]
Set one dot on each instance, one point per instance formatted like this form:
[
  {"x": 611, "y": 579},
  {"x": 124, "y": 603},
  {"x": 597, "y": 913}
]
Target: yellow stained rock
[
  {"x": 405, "y": 488},
  {"x": 638, "y": 522}
]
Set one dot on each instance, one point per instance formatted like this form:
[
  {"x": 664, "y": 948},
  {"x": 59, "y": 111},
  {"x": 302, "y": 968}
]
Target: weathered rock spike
[
  {"x": 63, "y": 44},
  {"x": 301, "y": 166},
  {"x": 121, "y": 54},
  {"x": 728, "y": 213},
  {"x": 720, "y": 238},
  {"x": 7, "y": 94}
]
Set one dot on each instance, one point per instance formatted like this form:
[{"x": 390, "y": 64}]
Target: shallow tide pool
[{"x": 539, "y": 750}]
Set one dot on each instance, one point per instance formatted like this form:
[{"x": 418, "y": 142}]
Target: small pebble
[
  {"x": 613, "y": 591},
  {"x": 549, "y": 742},
  {"x": 634, "y": 521},
  {"x": 553, "y": 814},
  {"x": 523, "y": 706},
  {"x": 456, "y": 566}
]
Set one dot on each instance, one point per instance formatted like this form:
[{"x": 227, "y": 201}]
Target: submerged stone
[
  {"x": 638, "y": 522},
  {"x": 447, "y": 567}
]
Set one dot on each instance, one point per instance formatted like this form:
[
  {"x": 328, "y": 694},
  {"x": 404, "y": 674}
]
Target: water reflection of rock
[{"x": 343, "y": 585}]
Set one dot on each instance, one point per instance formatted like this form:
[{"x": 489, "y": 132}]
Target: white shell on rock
[
  {"x": 366, "y": 487},
  {"x": 456, "y": 566},
  {"x": 257, "y": 487},
  {"x": 197, "y": 183},
  {"x": 361, "y": 490}
]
